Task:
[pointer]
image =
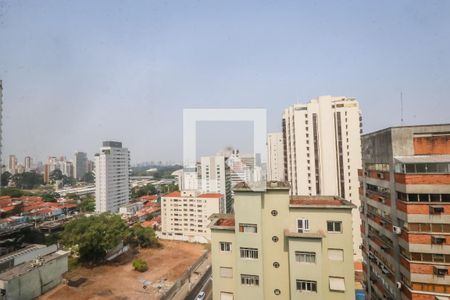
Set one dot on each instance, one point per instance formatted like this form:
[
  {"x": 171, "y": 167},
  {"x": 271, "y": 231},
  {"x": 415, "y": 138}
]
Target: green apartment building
[{"x": 277, "y": 246}]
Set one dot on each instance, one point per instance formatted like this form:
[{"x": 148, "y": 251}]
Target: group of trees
[
  {"x": 92, "y": 237},
  {"x": 25, "y": 180},
  {"x": 150, "y": 189}
]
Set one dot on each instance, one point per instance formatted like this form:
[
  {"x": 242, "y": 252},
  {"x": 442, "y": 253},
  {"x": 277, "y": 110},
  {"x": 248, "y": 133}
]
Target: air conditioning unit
[
  {"x": 396, "y": 229},
  {"x": 399, "y": 285}
]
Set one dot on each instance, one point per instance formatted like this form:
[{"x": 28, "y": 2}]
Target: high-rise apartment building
[
  {"x": 12, "y": 164},
  {"x": 275, "y": 157},
  {"x": 323, "y": 151},
  {"x": 215, "y": 177},
  {"x": 405, "y": 195},
  {"x": 28, "y": 163},
  {"x": 277, "y": 246},
  {"x": 80, "y": 165},
  {"x": 184, "y": 215},
  {"x": 112, "y": 186}
]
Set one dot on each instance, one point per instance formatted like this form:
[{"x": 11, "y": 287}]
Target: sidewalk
[{"x": 195, "y": 278}]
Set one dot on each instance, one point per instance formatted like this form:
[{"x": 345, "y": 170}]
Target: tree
[
  {"x": 27, "y": 180},
  {"x": 6, "y": 176},
  {"x": 14, "y": 192},
  {"x": 144, "y": 237},
  {"x": 87, "y": 205},
  {"x": 140, "y": 265},
  {"x": 50, "y": 196},
  {"x": 148, "y": 189},
  {"x": 94, "y": 236},
  {"x": 89, "y": 177},
  {"x": 55, "y": 175}
]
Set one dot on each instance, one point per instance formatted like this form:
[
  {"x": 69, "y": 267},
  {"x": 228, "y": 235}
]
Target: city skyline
[{"x": 143, "y": 64}]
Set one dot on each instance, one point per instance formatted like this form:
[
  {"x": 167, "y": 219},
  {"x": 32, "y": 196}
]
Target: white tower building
[
  {"x": 112, "y": 187},
  {"x": 275, "y": 157},
  {"x": 323, "y": 151}
]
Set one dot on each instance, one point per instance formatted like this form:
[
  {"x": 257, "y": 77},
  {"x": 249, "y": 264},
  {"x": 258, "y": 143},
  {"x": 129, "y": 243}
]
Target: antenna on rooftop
[{"x": 401, "y": 108}]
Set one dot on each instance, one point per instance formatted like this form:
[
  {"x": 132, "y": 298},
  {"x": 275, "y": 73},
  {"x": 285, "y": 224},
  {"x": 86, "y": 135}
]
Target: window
[
  {"x": 302, "y": 225},
  {"x": 251, "y": 253},
  {"x": 306, "y": 286},
  {"x": 440, "y": 271},
  {"x": 277, "y": 292},
  {"x": 336, "y": 254},
  {"x": 226, "y": 272},
  {"x": 334, "y": 226},
  {"x": 275, "y": 239},
  {"x": 225, "y": 246},
  {"x": 337, "y": 284},
  {"x": 226, "y": 296},
  {"x": 438, "y": 240},
  {"x": 276, "y": 264},
  {"x": 243, "y": 227},
  {"x": 305, "y": 257},
  {"x": 249, "y": 279},
  {"x": 274, "y": 213}
]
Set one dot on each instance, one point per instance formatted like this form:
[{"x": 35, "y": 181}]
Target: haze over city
[{"x": 76, "y": 73}]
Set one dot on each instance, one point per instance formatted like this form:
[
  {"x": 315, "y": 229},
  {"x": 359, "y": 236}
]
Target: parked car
[{"x": 201, "y": 295}]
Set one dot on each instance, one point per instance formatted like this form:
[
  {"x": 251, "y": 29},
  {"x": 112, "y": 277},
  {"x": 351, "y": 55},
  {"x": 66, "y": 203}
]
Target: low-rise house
[{"x": 30, "y": 272}]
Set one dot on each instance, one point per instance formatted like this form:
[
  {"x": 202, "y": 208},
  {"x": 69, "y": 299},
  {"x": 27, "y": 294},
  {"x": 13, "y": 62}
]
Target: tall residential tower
[
  {"x": 112, "y": 186},
  {"x": 275, "y": 157},
  {"x": 323, "y": 151}
]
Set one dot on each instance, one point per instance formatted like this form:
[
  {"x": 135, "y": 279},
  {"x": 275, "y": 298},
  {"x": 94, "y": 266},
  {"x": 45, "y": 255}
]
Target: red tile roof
[
  {"x": 225, "y": 222},
  {"x": 173, "y": 194},
  {"x": 315, "y": 201},
  {"x": 149, "y": 197},
  {"x": 210, "y": 195}
]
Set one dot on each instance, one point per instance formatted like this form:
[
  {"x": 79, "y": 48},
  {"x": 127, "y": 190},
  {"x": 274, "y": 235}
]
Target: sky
[{"x": 76, "y": 73}]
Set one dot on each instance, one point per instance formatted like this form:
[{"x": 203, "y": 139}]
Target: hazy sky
[{"x": 79, "y": 72}]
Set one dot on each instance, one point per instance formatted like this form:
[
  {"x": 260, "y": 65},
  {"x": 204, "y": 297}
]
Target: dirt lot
[{"x": 119, "y": 281}]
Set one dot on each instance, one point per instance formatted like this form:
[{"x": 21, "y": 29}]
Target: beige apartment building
[
  {"x": 322, "y": 145},
  {"x": 184, "y": 215},
  {"x": 277, "y": 246}
]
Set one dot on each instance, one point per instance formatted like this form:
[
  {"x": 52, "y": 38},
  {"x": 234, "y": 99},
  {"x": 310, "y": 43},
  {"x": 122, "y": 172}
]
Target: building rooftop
[
  {"x": 28, "y": 266},
  {"x": 320, "y": 201},
  {"x": 270, "y": 185},
  {"x": 222, "y": 221},
  {"x": 205, "y": 195},
  {"x": 407, "y": 126}
]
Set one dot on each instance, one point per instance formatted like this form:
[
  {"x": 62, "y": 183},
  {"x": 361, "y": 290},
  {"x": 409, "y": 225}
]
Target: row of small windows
[{"x": 423, "y": 197}]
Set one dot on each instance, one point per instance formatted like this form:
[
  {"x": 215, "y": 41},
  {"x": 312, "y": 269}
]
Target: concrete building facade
[
  {"x": 277, "y": 246},
  {"x": 405, "y": 195},
  {"x": 184, "y": 215},
  {"x": 215, "y": 177},
  {"x": 80, "y": 165},
  {"x": 275, "y": 157},
  {"x": 112, "y": 186},
  {"x": 322, "y": 146}
]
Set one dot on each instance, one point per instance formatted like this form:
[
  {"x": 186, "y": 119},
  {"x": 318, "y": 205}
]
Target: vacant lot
[{"x": 119, "y": 280}]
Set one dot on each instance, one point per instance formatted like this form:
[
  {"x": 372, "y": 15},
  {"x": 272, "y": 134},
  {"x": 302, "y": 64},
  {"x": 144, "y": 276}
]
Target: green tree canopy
[
  {"x": 6, "y": 176},
  {"x": 94, "y": 235},
  {"x": 144, "y": 237},
  {"x": 89, "y": 177},
  {"x": 56, "y": 175},
  {"x": 87, "y": 205}
]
